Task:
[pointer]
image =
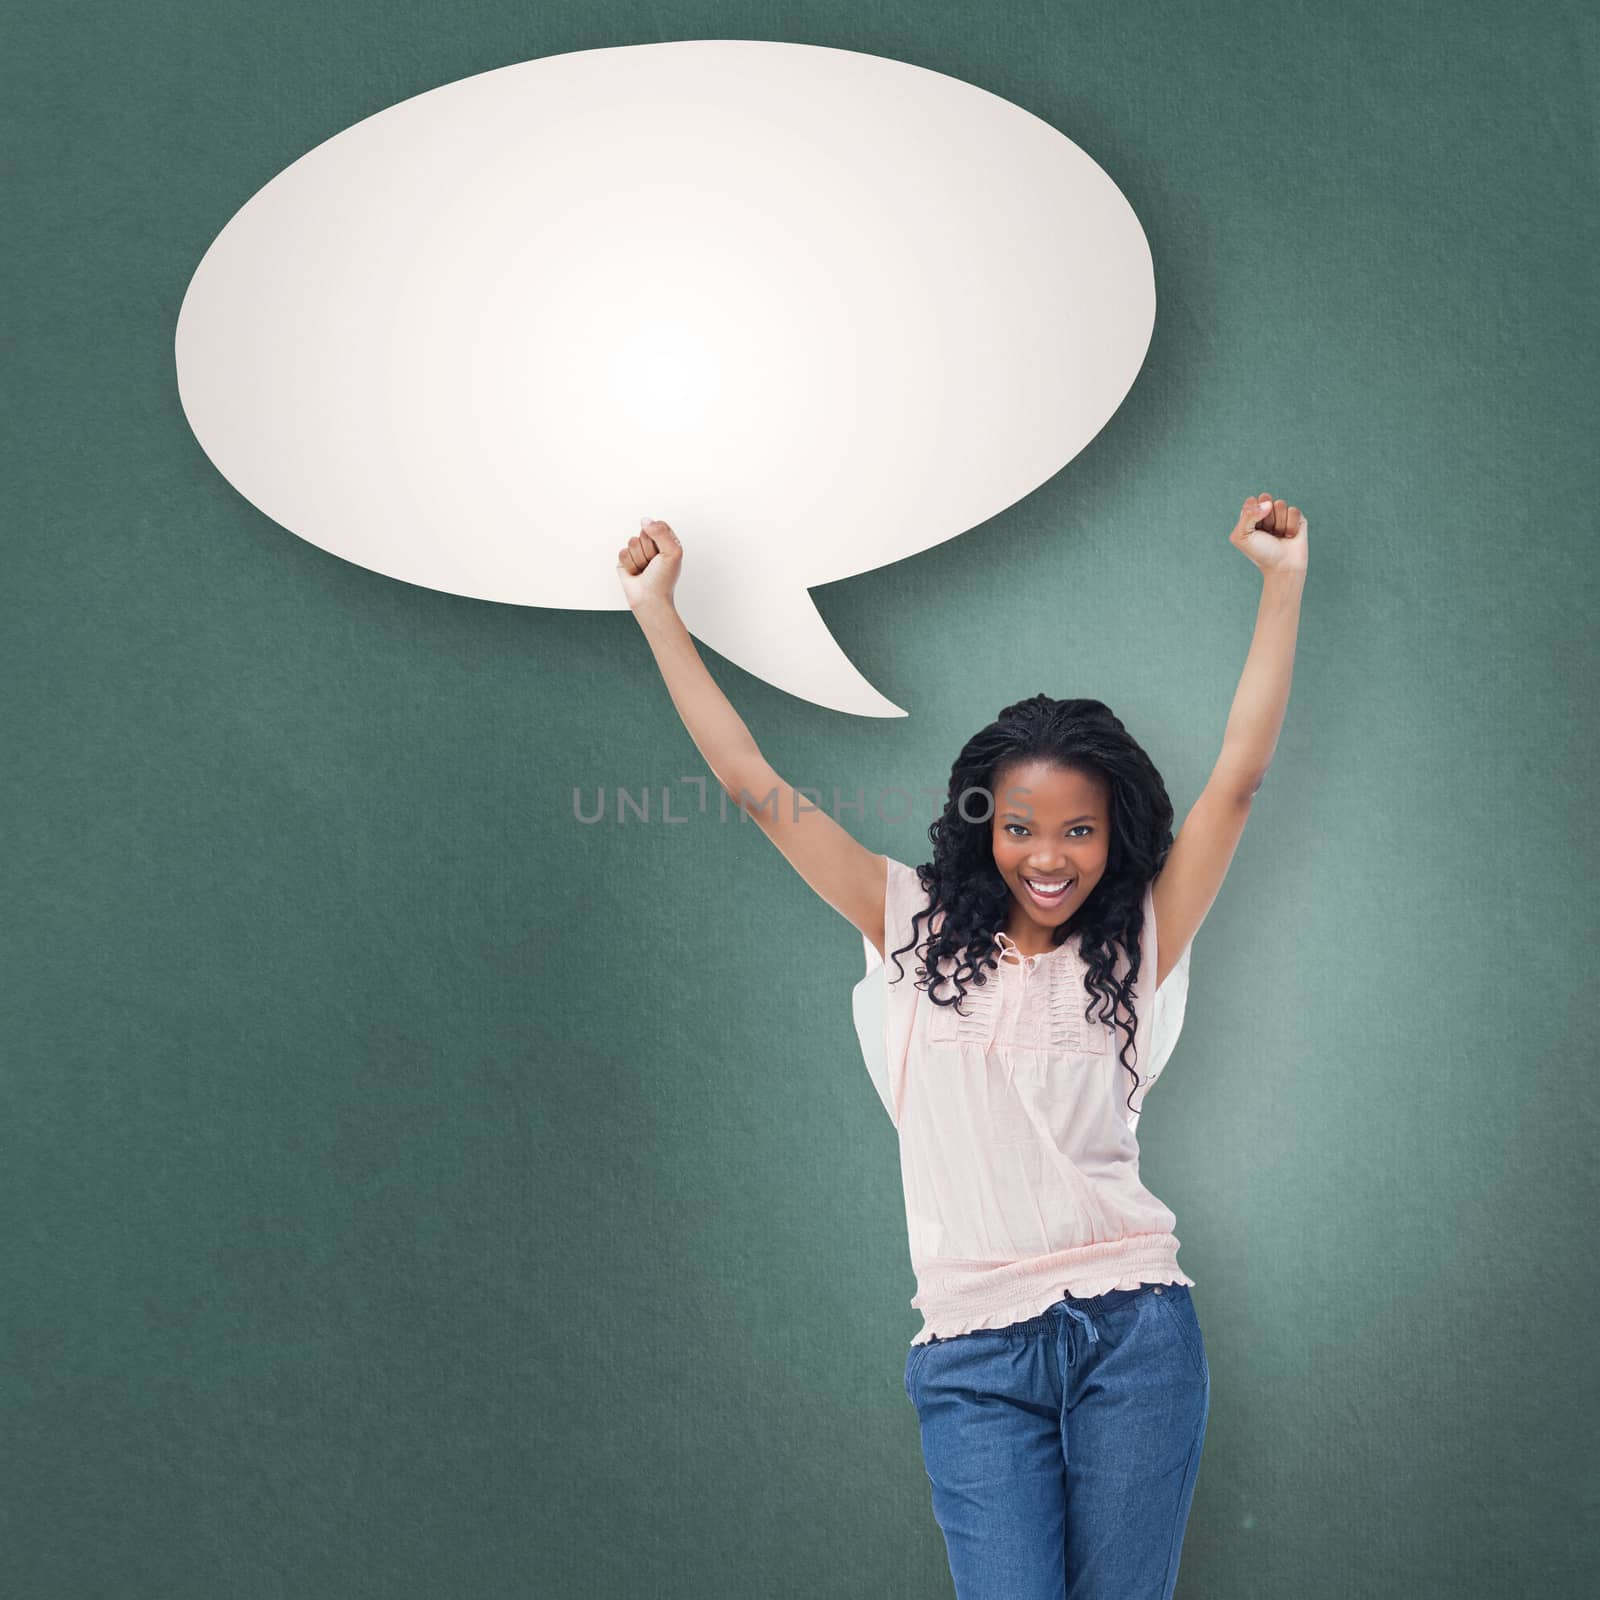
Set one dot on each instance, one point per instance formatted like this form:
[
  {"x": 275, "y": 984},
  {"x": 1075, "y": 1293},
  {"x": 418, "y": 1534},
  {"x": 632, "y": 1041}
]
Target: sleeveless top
[{"x": 1019, "y": 1155}]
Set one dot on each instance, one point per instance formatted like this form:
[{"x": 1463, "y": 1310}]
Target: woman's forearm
[
  {"x": 1262, "y": 697},
  {"x": 717, "y": 729}
]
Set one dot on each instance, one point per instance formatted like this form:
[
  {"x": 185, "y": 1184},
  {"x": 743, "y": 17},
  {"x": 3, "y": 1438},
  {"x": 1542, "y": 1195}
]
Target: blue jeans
[{"x": 1063, "y": 1450}]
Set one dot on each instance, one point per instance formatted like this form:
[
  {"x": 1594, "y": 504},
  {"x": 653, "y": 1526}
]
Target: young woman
[{"x": 1060, "y": 1378}]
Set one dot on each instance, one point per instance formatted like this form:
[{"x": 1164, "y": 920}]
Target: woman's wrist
[{"x": 653, "y": 610}]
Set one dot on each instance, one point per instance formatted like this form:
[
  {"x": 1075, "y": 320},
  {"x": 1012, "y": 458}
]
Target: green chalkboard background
[{"x": 409, "y": 1190}]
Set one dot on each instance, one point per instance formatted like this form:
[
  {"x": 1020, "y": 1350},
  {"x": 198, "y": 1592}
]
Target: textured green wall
[{"x": 409, "y": 1191}]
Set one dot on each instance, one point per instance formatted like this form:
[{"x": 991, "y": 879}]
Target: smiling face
[{"x": 1050, "y": 827}]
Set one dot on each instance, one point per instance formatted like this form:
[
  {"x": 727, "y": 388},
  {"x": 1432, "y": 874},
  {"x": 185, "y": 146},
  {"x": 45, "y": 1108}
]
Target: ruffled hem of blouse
[{"x": 1040, "y": 1303}]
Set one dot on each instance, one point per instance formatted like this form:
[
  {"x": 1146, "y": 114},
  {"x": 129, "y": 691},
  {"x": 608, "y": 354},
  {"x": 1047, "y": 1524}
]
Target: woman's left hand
[{"x": 1271, "y": 534}]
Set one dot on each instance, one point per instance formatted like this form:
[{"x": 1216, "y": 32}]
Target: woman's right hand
[{"x": 648, "y": 564}]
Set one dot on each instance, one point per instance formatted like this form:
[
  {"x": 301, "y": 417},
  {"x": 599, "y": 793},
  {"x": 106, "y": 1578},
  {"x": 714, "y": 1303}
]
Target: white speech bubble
[{"x": 818, "y": 310}]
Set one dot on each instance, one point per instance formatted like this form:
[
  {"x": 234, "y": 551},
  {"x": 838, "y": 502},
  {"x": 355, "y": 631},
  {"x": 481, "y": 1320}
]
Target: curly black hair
[{"x": 963, "y": 881}]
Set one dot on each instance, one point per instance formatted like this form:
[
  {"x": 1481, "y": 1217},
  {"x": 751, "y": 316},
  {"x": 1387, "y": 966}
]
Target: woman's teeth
[{"x": 1049, "y": 894}]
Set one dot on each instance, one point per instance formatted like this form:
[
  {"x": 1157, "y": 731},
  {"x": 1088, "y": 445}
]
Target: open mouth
[{"x": 1049, "y": 892}]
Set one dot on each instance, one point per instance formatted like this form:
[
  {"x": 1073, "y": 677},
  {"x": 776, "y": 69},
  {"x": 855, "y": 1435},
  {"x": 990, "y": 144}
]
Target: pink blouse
[{"x": 1019, "y": 1157}]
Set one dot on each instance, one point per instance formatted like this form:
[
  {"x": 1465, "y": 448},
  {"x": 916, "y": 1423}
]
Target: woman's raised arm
[
  {"x": 1274, "y": 537},
  {"x": 841, "y": 869}
]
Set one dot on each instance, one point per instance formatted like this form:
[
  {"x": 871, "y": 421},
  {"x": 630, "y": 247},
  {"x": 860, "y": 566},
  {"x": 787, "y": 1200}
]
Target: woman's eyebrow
[{"x": 1072, "y": 823}]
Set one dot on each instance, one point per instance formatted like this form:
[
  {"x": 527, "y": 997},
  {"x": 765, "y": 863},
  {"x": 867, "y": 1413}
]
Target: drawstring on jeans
[
  {"x": 1083, "y": 1316},
  {"x": 1078, "y": 1314}
]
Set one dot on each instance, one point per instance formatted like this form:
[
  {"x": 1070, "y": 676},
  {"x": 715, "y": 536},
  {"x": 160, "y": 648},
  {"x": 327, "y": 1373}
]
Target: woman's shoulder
[{"x": 904, "y": 895}]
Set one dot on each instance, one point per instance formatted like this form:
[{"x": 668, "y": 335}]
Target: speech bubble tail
[{"x": 777, "y": 634}]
